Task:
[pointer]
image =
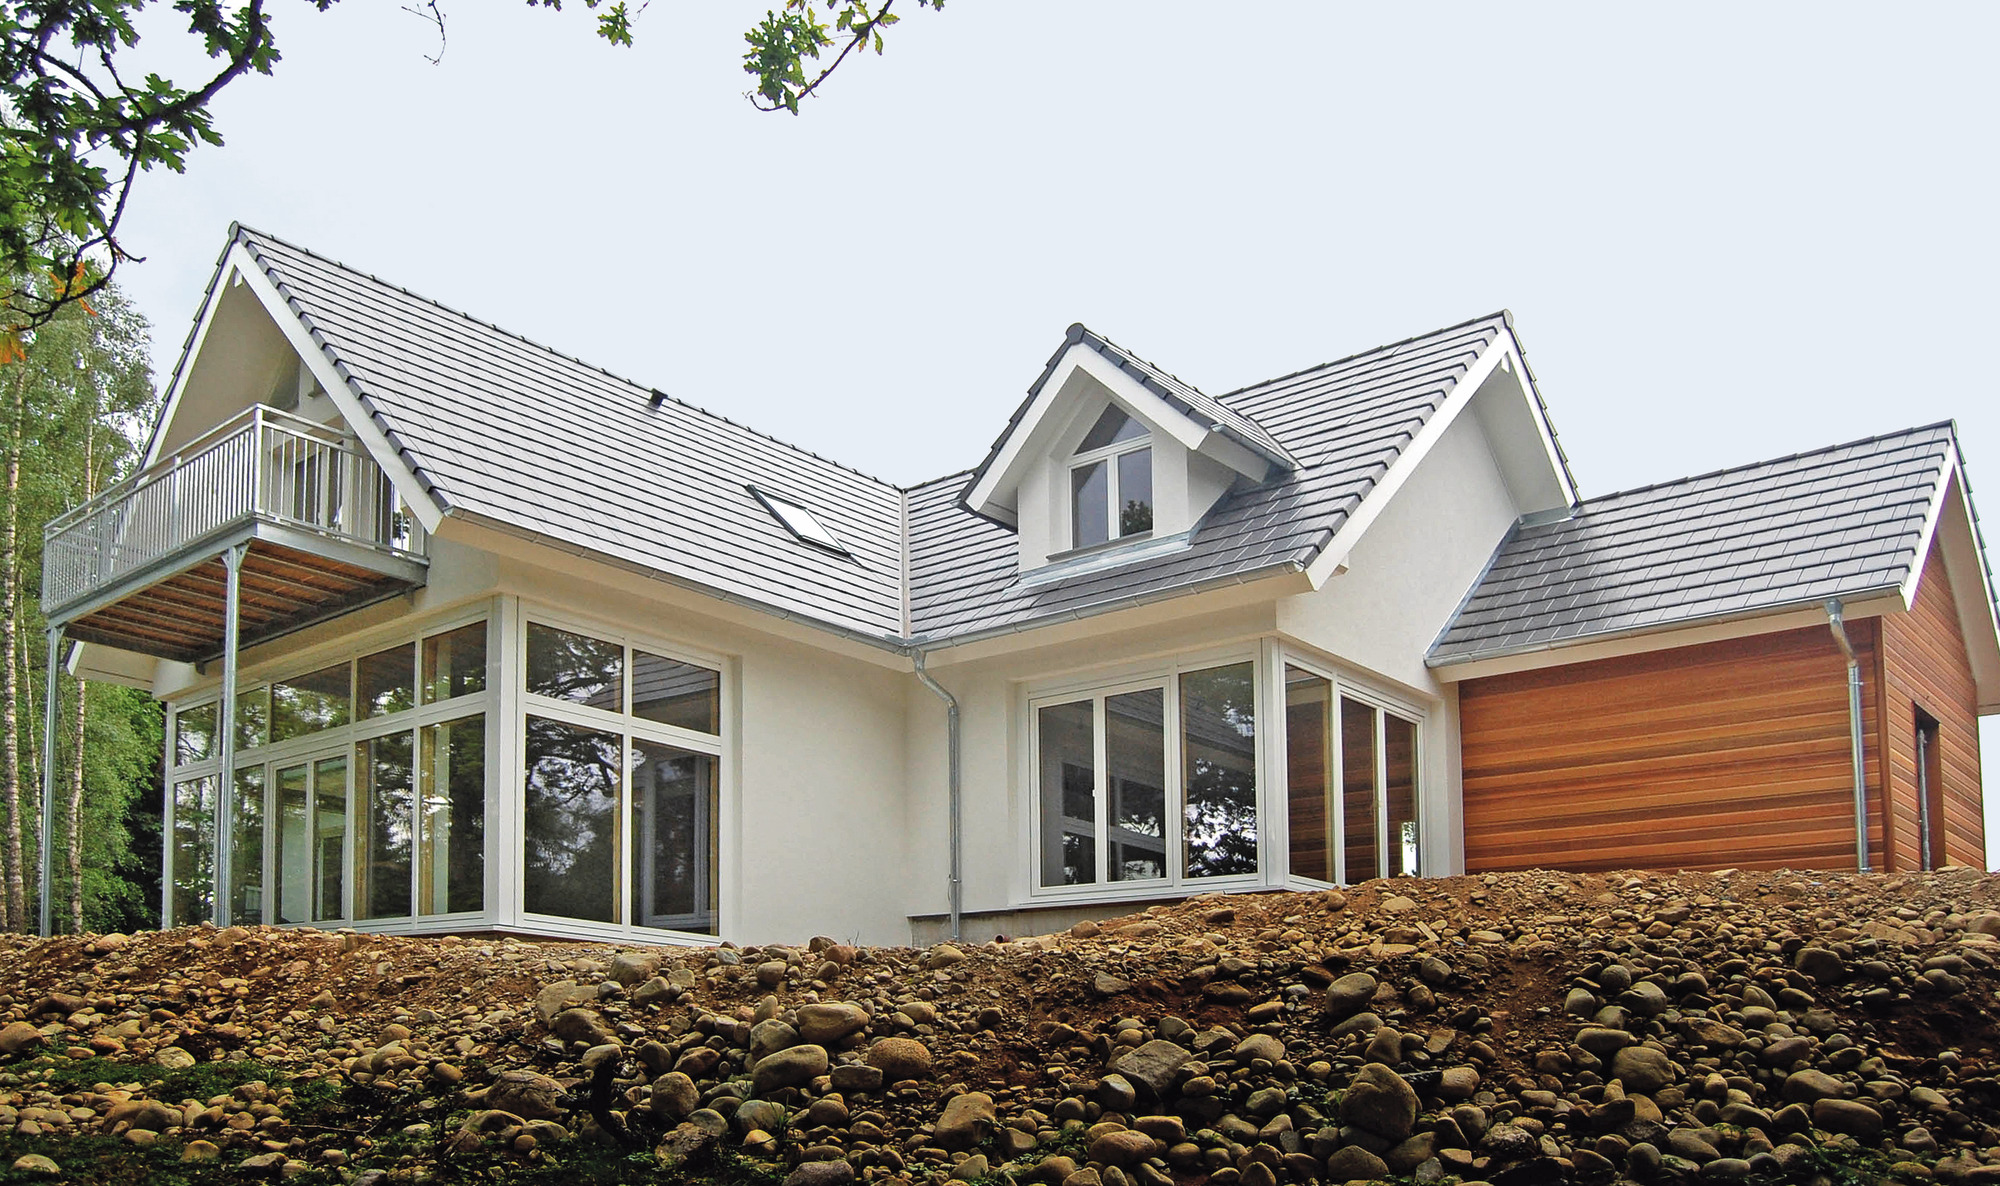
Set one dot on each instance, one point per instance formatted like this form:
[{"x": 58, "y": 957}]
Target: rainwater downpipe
[
  {"x": 954, "y": 783},
  {"x": 1839, "y": 627}
]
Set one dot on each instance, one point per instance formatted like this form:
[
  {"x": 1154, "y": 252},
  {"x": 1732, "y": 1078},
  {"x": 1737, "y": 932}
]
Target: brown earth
[{"x": 1517, "y": 1028}]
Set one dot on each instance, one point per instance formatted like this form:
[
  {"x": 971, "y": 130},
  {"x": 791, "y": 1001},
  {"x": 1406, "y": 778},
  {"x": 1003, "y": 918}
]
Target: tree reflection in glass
[
  {"x": 1219, "y": 769},
  {"x": 572, "y": 781},
  {"x": 576, "y": 667}
]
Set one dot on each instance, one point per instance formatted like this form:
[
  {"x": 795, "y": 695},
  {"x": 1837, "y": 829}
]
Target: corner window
[
  {"x": 1155, "y": 783},
  {"x": 1111, "y": 481},
  {"x": 623, "y": 748},
  {"x": 1351, "y": 784}
]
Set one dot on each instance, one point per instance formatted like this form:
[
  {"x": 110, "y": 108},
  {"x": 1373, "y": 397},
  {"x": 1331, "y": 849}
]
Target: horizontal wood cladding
[
  {"x": 1925, "y": 669},
  {"x": 1728, "y": 754}
]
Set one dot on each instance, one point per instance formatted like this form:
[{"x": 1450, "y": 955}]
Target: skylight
[{"x": 799, "y": 521}]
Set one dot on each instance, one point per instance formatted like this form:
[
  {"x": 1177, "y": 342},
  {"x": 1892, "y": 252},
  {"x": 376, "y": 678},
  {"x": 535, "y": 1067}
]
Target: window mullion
[
  {"x": 1383, "y": 865},
  {"x": 1101, "y": 801},
  {"x": 1175, "y": 806}
]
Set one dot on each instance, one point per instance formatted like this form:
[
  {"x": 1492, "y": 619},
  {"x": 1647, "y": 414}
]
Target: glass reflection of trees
[
  {"x": 1219, "y": 769},
  {"x": 563, "y": 665},
  {"x": 572, "y": 780}
]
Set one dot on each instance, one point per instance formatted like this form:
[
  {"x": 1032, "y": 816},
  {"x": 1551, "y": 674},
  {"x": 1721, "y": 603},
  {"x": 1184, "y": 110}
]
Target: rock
[
  {"x": 1642, "y": 1069},
  {"x": 563, "y": 994},
  {"x": 631, "y": 967},
  {"x": 755, "y": 1115},
  {"x": 944, "y": 955},
  {"x": 1821, "y": 964},
  {"x": 1257, "y": 1046},
  {"x": 972, "y": 1169},
  {"x": 656, "y": 991},
  {"x": 1603, "y": 1041},
  {"x": 1710, "y": 1032},
  {"x": 1084, "y": 930},
  {"x": 1116, "y": 1093},
  {"x": 1508, "y": 1142},
  {"x": 1104, "y": 984},
  {"x": 675, "y": 1096},
  {"x": 792, "y": 1067},
  {"x": 900, "y": 1058},
  {"x": 16, "y": 1037},
  {"x": 582, "y": 1025},
  {"x": 1397, "y": 904},
  {"x": 199, "y": 1150},
  {"x": 526, "y": 1094},
  {"x": 1808, "y": 1086},
  {"x": 688, "y": 1145},
  {"x": 966, "y": 1121},
  {"x": 1151, "y": 1067},
  {"x": 770, "y": 1036},
  {"x": 1458, "y": 1083},
  {"x": 1355, "y": 1164},
  {"x": 174, "y": 1059},
  {"x": 821, "y": 1173},
  {"x": 1124, "y": 1149},
  {"x": 1380, "y": 1101},
  {"x": 1847, "y": 1116},
  {"x": 36, "y": 1163},
  {"x": 1386, "y": 1046},
  {"x": 1350, "y": 994},
  {"x": 1412, "y": 1153},
  {"x": 826, "y": 1024},
  {"x": 857, "y": 1077}
]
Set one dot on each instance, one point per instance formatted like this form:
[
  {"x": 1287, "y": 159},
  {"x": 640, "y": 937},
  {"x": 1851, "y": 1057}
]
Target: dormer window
[{"x": 1111, "y": 481}]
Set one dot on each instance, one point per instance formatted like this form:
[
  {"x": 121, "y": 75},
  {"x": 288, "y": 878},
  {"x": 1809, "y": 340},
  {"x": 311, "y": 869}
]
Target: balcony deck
[{"x": 140, "y": 567}]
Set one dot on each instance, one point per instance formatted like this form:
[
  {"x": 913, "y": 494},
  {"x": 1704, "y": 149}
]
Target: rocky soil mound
[{"x": 1524, "y": 1028}]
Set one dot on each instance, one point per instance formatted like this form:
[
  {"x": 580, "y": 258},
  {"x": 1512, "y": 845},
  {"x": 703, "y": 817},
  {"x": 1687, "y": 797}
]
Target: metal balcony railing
[{"x": 263, "y": 465}]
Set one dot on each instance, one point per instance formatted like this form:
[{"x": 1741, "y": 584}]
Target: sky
[{"x": 1727, "y": 232}]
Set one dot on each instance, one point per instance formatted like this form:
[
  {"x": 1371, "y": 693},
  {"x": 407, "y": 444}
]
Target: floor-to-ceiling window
[
  {"x": 1351, "y": 784},
  {"x": 622, "y": 744},
  {"x": 359, "y": 794}
]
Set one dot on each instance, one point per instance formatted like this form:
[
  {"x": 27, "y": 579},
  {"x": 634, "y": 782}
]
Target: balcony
[{"x": 140, "y": 567}]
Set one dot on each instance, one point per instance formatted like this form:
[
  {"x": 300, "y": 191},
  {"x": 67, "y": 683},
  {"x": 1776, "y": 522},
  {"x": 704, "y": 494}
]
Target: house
[{"x": 457, "y": 633}]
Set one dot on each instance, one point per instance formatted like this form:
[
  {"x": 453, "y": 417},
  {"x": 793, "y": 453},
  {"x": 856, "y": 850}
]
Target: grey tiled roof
[
  {"x": 1837, "y": 522},
  {"x": 1345, "y": 422},
  {"x": 536, "y": 441}
]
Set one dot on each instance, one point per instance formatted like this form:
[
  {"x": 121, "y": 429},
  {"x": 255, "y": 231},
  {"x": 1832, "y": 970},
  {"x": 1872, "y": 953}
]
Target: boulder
[
  {"x": 1151, "y": 1067},
  {"x": 1381, "y": 1102},
  {"x": 826, "y": 1024},
  {"x": 900, "y": 1058},
  {"x": 791, "y": 1067},
  {"x": 966, "y": 1121}
]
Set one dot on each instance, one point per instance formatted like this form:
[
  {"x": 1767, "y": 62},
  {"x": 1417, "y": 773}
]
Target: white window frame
[
  {"x": 311, "y": 748},
  {"x": 719, "y": 746},
  {"x": 1108, "y": 454},
  {"x": 1347, "y": 685},
  {"x": 1096, "y": 686}
]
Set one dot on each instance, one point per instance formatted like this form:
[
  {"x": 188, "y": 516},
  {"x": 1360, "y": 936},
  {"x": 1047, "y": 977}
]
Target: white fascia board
[
  {"x": 1965, "y": 564},
  {"x": 1538, "y": 411},
  {"x": 1005, "y": 472},
  {"x": 225, "y": 275},
  {"x": 1665, "y": 638},
  {"x": 1947, "y": 483},
  {"x": 358, "y": 419},
  {"x": 1333, "y": 557}
]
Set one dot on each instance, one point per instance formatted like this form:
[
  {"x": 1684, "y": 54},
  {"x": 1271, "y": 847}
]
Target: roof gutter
[{"x": 1839, "y": 628}]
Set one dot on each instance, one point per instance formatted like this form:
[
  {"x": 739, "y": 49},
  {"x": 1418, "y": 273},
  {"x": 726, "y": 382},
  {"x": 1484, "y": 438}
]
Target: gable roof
[
  {"x": 1845, "y": 522},
  {"x": 539, "y": 443},
  {"x": 1346, "y": 423},
  {"x": 511, "y": 435}
]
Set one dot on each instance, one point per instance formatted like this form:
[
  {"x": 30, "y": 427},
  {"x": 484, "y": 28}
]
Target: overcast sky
[{"x": 1727, "y": 232}]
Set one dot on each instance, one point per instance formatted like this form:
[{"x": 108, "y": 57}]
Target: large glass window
[
  {"x": 621, "y": 819},
  {"x": 1219, "y": 769},
  {"x": 246, "y": 851},
  {"x": 194, "y": 848},
  {"x": 194, "y": 734},
  {"x": 312, "y": 841},
  {"x": 383, "y": 814},
  {"x": 451, "y": 869},
  {"x": 253, "y": 718},
  {"x": 1309, "y": 774},
  {"x": 1149, "y": 784},
  {"x": 386, "y": 681},
  {"x": 310, "y": 703},
  {"x": 1111, "y": 481},
  {"x": 572, "y": 778},
  {"x": 455, "y": 663},
  {"x": 1068, "y": 793},
  {"x": 672, "y": 692},
  {"x": 673, "y": 874},
  {"x": 564, "y": 665},
  {"x": 1373, "y": 801}
]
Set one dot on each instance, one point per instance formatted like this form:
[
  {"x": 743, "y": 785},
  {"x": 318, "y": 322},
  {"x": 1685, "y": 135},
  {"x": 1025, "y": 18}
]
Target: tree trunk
[
  {"x": 15, "y": 899},
  {"x": 82, "y": 715}
]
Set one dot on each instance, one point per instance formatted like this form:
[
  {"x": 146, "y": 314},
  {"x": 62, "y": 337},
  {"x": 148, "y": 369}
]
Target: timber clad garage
[
  {"x": 1737, "y": 752},
  {"x": 460, "y": 634}
]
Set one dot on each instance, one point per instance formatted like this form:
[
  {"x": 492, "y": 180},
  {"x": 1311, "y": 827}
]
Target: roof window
[{"x": 799, "y": 521}]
